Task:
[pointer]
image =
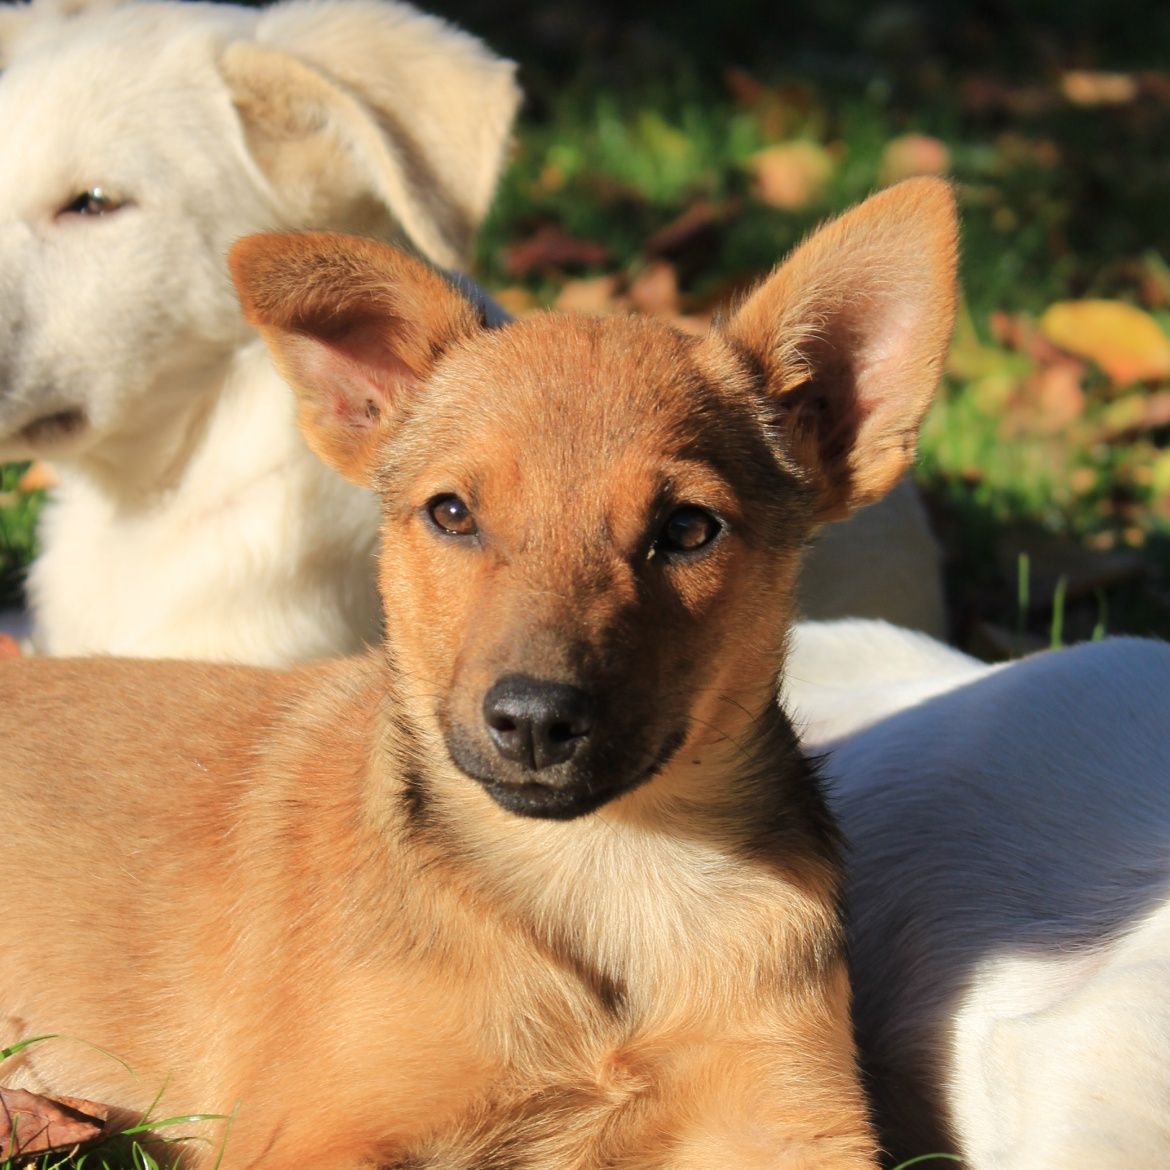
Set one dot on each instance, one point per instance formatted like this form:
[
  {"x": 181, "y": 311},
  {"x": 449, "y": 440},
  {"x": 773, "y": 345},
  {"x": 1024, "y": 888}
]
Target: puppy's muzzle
[{"x": 536, "y": 723}]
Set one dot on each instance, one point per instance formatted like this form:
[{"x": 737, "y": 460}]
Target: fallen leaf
[
  {"x": 792, "y": 175},
  {"x": 1023, "y": 335},
  {"x": 779, "y": 111},
  {"x": 655, "y": 291},
  {"x": 1048, "y": 401},
  {"x": 552, "y": 249},
  {"x": 32, "y": 1124},
  {"x": 1160, "y": 475},
  {"x": 986, "y": 95},
  {"x": 9, "y": 646},
  {"x": 517, "y": 301},
  {"x": 913, "y": 154},
  {"x": 1135, "y": 412},
  {"x": 692, "y": 240},
  {"x": 697, "y": 324},
  {"x": 597, "y": 295},
  {"x": 1123, "y": 340},
  {"x": 37, "y": 477},
  {"x": 1087, "y": 87}
]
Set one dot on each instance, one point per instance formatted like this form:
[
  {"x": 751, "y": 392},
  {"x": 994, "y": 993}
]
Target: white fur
[
  {"x": 1009, "y": 892},
  {"x": 841, "y": 676},
  {"x": 190, "y": 519}
]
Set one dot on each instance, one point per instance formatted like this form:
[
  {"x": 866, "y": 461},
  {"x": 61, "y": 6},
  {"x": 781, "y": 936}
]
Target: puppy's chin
[{"x": 565, "y": 791}]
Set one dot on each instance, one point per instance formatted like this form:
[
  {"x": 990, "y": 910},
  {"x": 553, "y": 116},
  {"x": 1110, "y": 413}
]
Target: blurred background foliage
[{"x": 668, "y": 154}]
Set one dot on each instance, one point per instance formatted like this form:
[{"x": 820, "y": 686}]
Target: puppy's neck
[{"x": 726, "y": 857}]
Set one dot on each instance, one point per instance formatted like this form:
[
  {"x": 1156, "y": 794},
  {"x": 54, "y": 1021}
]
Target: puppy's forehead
[
  {"x": 608, "y": 378},
  {"x": 614, "y": 408}
]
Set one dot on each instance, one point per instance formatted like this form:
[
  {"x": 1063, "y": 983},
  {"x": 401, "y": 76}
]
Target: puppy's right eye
[
  {"x": 95, "y": 201},
  {"x": 450, "y": 514}
]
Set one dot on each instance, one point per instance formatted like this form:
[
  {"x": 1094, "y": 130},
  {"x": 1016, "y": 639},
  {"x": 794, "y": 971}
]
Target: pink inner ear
[{"x": 355, "y": 368}]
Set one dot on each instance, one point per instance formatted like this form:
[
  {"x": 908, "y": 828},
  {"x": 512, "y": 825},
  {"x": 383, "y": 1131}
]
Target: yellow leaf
[{"x": 1124, "y": 341}]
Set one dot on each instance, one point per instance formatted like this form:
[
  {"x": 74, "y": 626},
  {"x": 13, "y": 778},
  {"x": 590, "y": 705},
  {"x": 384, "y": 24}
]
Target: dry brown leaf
[
  {"x": 985, "y": 95},
  {"x": 38, "y": 477},
  {"x": 792, "y": 175},
  {"x": 655, "y": 291},
  {"x": 32, "y": 1124},
  {"x": 598, "y": 295},
  {"x": 1123, "y": 340},
  {"x": 551, "y": 249},
  {"x": 913, "y": 154},
  {"x": 1023, "y": 335}
]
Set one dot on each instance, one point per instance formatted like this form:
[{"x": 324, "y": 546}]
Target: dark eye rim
[
  {"x": 661, "y": 547},
  {"x": 428, "y": 510},
  {"x": 106, "y": 204}
]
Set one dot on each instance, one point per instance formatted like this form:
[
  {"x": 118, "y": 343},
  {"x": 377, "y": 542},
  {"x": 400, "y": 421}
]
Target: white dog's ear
[
  {"x": 358, "y": 108},
  {"x": 849, "y": 336}
]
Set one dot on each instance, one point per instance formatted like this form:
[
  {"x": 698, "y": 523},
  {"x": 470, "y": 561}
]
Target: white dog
[
  {"x": 140, "y": 142},
  {"x": 1009, "y": 891}
]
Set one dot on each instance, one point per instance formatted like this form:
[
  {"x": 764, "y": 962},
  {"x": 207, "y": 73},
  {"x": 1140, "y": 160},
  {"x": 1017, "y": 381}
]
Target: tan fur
[{"x": 279, "y": 893}]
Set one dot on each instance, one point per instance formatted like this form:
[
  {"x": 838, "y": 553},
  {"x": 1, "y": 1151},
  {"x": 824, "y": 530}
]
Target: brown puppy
[{"x": 543, "y": 882}]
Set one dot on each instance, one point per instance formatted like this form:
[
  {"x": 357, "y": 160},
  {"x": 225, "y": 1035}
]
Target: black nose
[{"x": 536, "y": 723}]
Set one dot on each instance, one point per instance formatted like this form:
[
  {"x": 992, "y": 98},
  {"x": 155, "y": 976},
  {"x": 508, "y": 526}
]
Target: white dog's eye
[{"x": 95, "y": 201}]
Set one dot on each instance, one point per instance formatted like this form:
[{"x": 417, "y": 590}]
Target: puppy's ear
[
  {"x": 353, "y": 326},
  {"x": 371, "y": 117},
  {"x": 850, "y": 334}
]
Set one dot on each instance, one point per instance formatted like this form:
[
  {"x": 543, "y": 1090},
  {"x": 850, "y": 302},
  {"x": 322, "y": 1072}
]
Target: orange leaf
[
  {"x": 37, "y": 477},
  {"x": 1087, "y": 87},
  {"x": 1124, "y": 341},
  {"x": 656, "y": 290},
  {"x": 588, "y": 296},
  {"x": 792, "y": 175},
  {"x": 914, "y": 154}
]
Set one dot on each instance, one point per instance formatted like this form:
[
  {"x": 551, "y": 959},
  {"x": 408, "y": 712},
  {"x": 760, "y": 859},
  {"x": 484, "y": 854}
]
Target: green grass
[
  {"x": 18, "y": 513},
  {"x": 142, "y": 1146}
]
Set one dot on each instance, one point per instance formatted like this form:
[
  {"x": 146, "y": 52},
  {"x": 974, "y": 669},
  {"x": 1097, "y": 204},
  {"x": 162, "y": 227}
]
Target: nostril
[
  {"x": 537, "y": 723},
  {"x": 561, "y": 732}
]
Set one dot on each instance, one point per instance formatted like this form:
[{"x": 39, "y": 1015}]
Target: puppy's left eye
[
  {"x": 687, "y": 530},
  {"x": 450, "y": 514},
  {"x": 95, "y": 201}
]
